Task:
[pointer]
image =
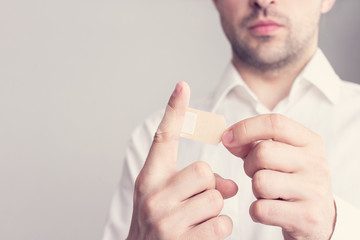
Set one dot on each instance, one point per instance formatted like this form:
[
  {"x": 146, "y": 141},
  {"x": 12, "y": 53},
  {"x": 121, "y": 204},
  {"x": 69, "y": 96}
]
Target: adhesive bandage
[{"x": 203, "y": 126}]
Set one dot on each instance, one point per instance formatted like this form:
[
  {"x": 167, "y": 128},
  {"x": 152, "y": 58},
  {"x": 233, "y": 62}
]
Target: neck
[{"x": 274, "y": 85}]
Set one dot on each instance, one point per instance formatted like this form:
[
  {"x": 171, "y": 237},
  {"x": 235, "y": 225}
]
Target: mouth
[{"x": 264, "y": 27}]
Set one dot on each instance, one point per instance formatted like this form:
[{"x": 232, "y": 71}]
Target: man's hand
[
  {"x": 171, "y": 204},
  {"x": 290, "y": 175}
]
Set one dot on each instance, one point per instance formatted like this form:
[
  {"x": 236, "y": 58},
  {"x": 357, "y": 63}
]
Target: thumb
[
  {"x": 226, "y": 187},
  {"x": 163, "y": 152}
]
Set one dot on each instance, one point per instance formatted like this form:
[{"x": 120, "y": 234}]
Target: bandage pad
[{"x": 203, "y": 126}]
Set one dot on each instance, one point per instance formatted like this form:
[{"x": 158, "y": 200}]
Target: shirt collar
[
  {"x": 230, "y": 80},
  {"x": 320, "y": 74},
  {"x": 317, "y": 72}
]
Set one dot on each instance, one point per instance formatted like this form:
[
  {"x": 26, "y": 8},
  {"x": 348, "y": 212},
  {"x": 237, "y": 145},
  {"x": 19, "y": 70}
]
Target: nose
[{"x": 261, "y": 4}]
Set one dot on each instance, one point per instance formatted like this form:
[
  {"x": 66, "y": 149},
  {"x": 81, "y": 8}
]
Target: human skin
[
  {"x": 286, "y": 161},
  {"x": 178, "y": 204},
  {"x": 272, "y": 41},
  {"x": 287, "y": 164},
  {"x": 290, "y": 175}
]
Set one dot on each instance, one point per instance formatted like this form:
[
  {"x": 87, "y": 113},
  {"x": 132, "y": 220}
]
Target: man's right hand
[{"x": 171, "y": 204}]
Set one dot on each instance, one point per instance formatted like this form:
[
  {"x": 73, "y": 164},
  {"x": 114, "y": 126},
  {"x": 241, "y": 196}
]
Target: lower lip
[{"x": 264, "y": 29}]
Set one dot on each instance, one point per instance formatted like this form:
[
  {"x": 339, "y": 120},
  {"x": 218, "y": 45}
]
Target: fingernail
[
  {"x": 228, "y": 137},
  {"x": 177, "y": 90}
]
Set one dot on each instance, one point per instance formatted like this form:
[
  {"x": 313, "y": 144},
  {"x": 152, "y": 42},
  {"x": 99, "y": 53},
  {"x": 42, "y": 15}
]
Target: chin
[
  {"x": 269, "y": 59},
  {"x": 270, "y": 56}
]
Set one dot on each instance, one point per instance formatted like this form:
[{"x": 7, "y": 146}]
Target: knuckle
[
  {"x": 221, "y": 227},
  {"x": 262, "y": 211},
  {"x": 150, "y": 206},
  {"x": 315, "y": 192},
  {"x": 315, "y": 163},
  {"x": 215, "y": 199},
  {"x": 260, "y": 158},
  {"x": 141, "y": 185},
  {"x": 162, "y": 228},
  {"x": 248, "y": 168},
  {"x": 204, "y": 171},
  {"x": 262, "y": 152},
  {"x": 312, "y": 216},
  {"x": 318, "y": 144},
  {"x": 258, "y": 211},
  {"x": 259, "y": 184},
  {"x": 322, "y": 170},
  {"x": 320, "y": 191},
  {"x": 162, "y": 137}
]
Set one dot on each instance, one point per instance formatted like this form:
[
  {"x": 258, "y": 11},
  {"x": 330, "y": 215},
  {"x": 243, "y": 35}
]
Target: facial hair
[{"x": 261, "y": 56}]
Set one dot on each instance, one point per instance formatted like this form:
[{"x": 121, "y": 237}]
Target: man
[{"x": 295, "y": 131}]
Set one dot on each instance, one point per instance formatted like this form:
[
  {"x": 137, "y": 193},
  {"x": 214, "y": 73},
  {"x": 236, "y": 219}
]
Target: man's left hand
[{"x": 290, "y": 175}]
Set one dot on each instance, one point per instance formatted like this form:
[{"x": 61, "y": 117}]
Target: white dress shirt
[{"x": 318, "y": 99}]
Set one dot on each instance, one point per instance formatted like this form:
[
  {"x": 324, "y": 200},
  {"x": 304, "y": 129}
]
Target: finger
[
  {"x": 199, "y": 208},
  {"x": 279, "y": 213},
  {"x": 163, "y": 152},
  {"x": 214, "y": 229},
  {"x": 193, "y": 179},
  {"x": 227, "y": 187},
  {"x": 267, "y": 184},
  {"x": 239, "y": 137},
  {"x": 275, "y": 156}
]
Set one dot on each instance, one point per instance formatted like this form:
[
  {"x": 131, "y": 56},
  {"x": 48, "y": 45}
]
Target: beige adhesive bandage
[{"x": 203, "y": 126}]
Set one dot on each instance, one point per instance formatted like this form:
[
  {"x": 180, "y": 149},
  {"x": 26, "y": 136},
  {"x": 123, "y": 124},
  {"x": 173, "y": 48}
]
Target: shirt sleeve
[
  {"x": 347, "y": 221},
  {"x": 118, "y": 223}
]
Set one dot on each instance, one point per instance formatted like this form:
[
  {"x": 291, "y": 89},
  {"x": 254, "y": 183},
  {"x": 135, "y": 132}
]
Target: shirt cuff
[{"x": 347, "y": 221}]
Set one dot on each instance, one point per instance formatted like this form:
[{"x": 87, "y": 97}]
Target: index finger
[
  {"x": 240, "y": 137},
  {"x": 163, "y": 152}
]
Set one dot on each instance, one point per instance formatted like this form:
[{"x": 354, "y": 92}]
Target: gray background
[{"x": 77, "y": 76}]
